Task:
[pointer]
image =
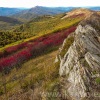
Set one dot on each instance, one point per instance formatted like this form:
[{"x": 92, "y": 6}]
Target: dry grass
[{"x": 41, "y": 71}]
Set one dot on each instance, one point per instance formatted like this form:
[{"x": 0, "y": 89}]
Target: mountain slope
[
  {"x": 39, "y": 10},
  {"x": 80, "y": 61},
  {"x": 9, "y": 20},
  {"x": 40, "y": 26},
  {"x": 46, "y": 24},
  {"x": 94, "y": 8},
  {"x": 9, "y": 11},
  {"x": 8, "y": 23}
]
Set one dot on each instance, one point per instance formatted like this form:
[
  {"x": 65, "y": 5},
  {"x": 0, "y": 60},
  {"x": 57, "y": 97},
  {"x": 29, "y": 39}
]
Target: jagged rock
[{"x": 80, "y": 66}]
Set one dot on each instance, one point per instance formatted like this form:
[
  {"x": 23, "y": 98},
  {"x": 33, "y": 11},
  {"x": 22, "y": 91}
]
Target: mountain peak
[{"x": 38, "y": 6}]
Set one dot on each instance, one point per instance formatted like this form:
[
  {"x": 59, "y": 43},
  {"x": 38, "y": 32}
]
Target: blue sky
[{"x": 50, "y": 3}]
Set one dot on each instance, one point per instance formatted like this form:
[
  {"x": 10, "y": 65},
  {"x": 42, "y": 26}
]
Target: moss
[
  {"x": 68, "y": 43},
  {"x": 84, "y": 62},
  {"x": 94, "y": 72},
  {"x": 97, "y": 80},
  {"x": 51, "y": 85},
  {"x": 1, "y": 91},
  {"x": 98, "y": 55},
  {"x": 25, "y": 85},
  {"x": 11, "y": 85},
  {"x": 57, "y": 64},
  {"x": 52, "y": 88}
]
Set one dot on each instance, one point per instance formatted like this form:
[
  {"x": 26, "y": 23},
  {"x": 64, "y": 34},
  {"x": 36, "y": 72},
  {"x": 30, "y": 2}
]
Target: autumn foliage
[{"x": 16, "y": 55}]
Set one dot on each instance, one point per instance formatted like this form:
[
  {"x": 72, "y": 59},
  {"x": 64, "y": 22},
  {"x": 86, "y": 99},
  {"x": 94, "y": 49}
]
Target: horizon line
[{"x": 46, "y": 6}]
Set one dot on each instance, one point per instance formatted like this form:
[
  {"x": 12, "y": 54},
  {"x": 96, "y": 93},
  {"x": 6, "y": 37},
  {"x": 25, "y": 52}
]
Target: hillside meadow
[
  {"x": 37, "y": 27},
  {"x": 27, "y": 60}
]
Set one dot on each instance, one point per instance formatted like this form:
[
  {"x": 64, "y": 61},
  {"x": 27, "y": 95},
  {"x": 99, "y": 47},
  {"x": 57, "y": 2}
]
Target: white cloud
[{"x": 32, "y": 3}]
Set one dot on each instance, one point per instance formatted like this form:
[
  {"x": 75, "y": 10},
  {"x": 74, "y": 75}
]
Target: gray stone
[{"x": 81, "y": 62}]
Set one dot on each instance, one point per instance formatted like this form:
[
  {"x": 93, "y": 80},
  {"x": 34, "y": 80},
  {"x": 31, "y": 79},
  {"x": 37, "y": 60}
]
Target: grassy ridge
[
  {"x": 47, "y": 24},
  {"x": 36, "y": 28},
  {"x": 16, "y": 55},
  {"x": 40, "y": 72}
]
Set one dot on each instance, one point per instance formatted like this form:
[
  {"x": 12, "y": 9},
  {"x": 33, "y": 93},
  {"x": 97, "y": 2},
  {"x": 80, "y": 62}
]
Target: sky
[{"x": 48, "y": 3}]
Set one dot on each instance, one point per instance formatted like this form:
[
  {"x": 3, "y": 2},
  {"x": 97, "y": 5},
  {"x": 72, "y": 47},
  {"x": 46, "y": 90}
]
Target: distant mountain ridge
[
  {"x": 40, "y": 10},
  {"x": 48, "y": 10},
  {"x": 8, "y": 22},
  {"x": 9, "y": 11},
  {"x": 94, "y": 8},
  {"x": 20, "y": 15}
]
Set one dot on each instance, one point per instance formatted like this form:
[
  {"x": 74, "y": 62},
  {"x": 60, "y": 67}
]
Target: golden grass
[
  {"x": 40, "y": 70},
  {"x": 45, "y": 28}
]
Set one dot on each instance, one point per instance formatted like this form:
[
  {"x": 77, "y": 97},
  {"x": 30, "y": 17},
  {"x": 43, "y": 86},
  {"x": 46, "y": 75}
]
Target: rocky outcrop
[{"x": 80, "y": 65}]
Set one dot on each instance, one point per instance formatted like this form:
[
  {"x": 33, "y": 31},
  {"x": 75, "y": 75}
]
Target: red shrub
[
  {"x": 1, "y": 54},
  {"x": 78, "y": 15},
  {"x": 11, "y": 49},
  {"x": 7, "y": 62},
  {"x": 35, "y": 48},
  {"x": 24, "y": 54},
  {"x": 15, "y": 48}
]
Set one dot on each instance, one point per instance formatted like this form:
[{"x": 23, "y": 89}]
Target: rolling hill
[
  {"x": 7, "y": 23},
  {"x": 9, "y": 20},
  {"x": 38, "y": 27}
]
